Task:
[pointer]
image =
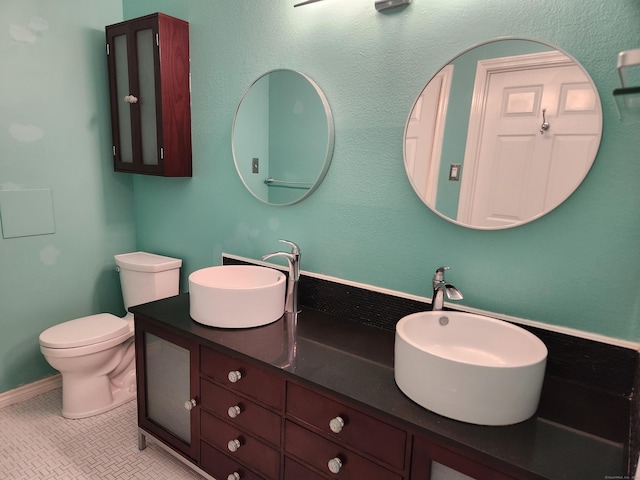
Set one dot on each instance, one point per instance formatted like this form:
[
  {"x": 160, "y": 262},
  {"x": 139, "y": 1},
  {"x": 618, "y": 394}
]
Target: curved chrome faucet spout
[
  {"x": 293, "y": 259},
  {"x": 441, "y": 288}
]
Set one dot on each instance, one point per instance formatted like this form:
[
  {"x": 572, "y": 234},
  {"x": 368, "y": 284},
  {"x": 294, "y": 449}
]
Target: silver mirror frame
[
  {"x": 480, "y": 44},
  {"x": 330, "y": 139}
]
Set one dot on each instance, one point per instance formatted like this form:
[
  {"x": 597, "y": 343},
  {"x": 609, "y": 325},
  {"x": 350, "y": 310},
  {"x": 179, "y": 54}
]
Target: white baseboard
[{"x": 25, "y": 392}]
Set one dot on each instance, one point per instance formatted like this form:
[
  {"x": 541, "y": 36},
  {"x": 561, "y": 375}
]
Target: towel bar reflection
[
  {"x": 272, "y": 182},
  {"x": 628, "y": 97}
]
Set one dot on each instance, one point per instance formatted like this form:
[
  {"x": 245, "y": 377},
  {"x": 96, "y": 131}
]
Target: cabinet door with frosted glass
[
  {"x": 148, "y": 61},
  {"x": 432, "y": 462},
  {"x": 168, "y": 386}
]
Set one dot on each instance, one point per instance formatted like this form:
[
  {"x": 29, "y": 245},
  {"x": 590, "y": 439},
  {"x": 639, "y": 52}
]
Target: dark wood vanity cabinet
[
  {"x": 233, "y": 417},
  {"x": 149, "y": 86}
]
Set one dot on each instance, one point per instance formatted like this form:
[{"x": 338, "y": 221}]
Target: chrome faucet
[
  {"x": 293, "y": 258},
  {"x": 441, "y": 288}
]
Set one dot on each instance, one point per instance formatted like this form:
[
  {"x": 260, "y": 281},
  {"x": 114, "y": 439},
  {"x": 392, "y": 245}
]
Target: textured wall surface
[
  {"x": 577, "y": 267},
  {"x": 55, "y": 138}
]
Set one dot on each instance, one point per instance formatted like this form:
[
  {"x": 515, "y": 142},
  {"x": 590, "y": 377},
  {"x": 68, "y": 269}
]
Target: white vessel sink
[
  {"x": 469, "y": 367},
  {"x": 236, "y": 296}
]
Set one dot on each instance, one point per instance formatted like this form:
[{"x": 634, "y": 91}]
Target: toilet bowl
[
  {"x": 86, "y": 351},
  {"x": 95, "y": 355}
]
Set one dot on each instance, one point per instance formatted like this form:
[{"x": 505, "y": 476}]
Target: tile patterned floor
[{"x": 36, "y": 442}]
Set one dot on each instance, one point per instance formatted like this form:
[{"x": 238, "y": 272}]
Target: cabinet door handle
[
  {"x": 189, "y": 404},
  {"x": 131, "y": 99},
  {"x": 234, "y": 376},
  {"x": 234, "y": 411},
  {"x": 234, "y": 476},
  {"x": 234, "y": 445},
  {"x": 336, "y": 424},
  {"x": 335, "y": 464}
]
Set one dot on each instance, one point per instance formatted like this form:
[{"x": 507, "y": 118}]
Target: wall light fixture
[
  {"x": 385, "y": 4},
  {"x": 379, "y": 4},
  {"x": 307, "y": 2}
]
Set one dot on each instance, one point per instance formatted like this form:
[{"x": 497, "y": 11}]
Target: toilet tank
[{"x": 145, "y": 277}]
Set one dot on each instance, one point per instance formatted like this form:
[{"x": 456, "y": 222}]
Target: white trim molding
[
  {"x": 30, "y": 390},
  {"x": 500, "y": 316}
]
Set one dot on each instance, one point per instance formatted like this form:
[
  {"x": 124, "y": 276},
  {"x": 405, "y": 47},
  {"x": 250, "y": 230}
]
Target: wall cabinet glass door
[{"x": 148, "y": 61}]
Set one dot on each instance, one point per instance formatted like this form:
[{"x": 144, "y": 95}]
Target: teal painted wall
[
  {"x": 55, "y": 134},
  {"x": 295, "y": 109},
  {"x": 577, "y": 267},
  {"x": 251, "y": 137}
]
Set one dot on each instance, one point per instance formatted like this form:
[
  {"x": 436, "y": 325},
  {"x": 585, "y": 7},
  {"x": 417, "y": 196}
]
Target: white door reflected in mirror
[{"x": 533, "y": 123}]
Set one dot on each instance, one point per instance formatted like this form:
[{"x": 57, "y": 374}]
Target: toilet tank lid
[
  {"x": 84, "y": 331},
  {"x": 147, "y": 262}
]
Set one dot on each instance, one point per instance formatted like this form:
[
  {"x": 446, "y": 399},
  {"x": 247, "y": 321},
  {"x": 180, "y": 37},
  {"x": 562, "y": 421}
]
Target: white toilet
[{"x": 95, "y": 355}]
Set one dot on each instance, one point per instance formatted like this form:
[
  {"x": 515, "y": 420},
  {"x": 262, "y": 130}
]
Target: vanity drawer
[
  {"x": 252, "y": 417},
  {"x": 365, "y": 433},
  {"x": 318, "y": 451},
  {"x": 294, "y": 471},
  {"x": 252, "y": 452},
  {"x": 254, "y": 381},
  {"x": 220, "y": 466}
]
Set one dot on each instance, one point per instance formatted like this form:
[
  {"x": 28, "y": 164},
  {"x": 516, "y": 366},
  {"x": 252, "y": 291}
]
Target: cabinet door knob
[
  {"x": 335, "y": 464},
  {"x": 234, "y": 376},
  {"x": 336, "y": 424},
  {"x": 131, "y": 99},
  {"x": 189, "y": 404},
  {"x": 234, "y": 476},
  {"x": 234, "y": 411},
  {"x": 233, "y": 445}
]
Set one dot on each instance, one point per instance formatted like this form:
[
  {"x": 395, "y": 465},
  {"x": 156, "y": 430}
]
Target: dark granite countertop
[{"x": 355, "y": 361}]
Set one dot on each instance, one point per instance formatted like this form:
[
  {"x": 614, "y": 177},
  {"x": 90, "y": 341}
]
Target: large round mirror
[
  {"x": 503, "y": 134},
  {"x": 282, "y": 137}
]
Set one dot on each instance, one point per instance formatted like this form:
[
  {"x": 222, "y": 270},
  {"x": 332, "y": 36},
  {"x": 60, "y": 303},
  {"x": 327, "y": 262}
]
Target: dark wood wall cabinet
[
  {"x": 148, "y": 64},
  {"x": 222, "y": 401}
]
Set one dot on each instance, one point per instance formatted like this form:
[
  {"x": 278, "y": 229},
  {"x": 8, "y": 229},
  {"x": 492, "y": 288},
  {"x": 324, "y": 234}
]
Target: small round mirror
[
  {"x": 282, "y": 137},
  {"x": 503, "y": 134}
]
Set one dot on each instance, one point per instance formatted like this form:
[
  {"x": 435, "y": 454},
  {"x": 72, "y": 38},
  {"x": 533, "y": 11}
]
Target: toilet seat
[{"x": 85, "y": 331}]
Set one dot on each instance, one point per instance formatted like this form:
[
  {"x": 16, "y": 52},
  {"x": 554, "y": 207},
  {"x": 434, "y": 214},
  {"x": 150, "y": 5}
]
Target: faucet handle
[
  {"x": 438, "y": 276},
  {"x": 295, "y": 250}
]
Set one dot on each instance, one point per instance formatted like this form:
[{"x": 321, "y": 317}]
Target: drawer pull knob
[
  {"x": 189, "y": 404},
  {"x": 335, "y": 464},
  {"x": 234, "y": 411},
  {"x": 234, "y": 476},
  {"x": 131, "y": 99},
  {"x": 234, "y": 376},
  {"x": 336, "y": 424},
  {"x": 233, "y": 445}
]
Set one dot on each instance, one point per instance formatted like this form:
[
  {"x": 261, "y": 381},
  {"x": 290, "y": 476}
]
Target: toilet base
[{"x": 94, "y": 396}]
